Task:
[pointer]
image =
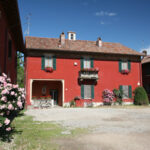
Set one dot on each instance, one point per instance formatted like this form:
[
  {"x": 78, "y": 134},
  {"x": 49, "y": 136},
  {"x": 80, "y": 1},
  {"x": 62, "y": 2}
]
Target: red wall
[
  {"x": 10, "y": 67},
  {"x": 109, "y": 76}
]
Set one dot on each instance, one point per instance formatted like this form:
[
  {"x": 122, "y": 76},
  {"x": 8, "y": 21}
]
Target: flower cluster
[
  {"x": 11, "y": 101},
  {"x": 108, "y": 97},
  {"x": 126, "y": 71},
  {"x": 48, "y": 69}
]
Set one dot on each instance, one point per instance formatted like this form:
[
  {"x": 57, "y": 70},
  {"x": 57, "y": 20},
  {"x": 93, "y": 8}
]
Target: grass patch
[{"x": 36, "y": 135}]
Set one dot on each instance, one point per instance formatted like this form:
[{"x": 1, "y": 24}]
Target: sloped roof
[
  {"x": 146, "y": 59},
  {"x": 39, "y": 43}
]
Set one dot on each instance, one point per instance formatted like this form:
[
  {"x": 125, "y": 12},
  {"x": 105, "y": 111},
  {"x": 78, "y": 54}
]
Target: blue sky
[{"x": 123, "y": 21}]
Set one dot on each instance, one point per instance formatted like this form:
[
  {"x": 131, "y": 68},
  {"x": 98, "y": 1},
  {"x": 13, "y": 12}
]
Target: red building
[
  {"x": 68, "y": 69},
  {"x": 11, "y": 39}
]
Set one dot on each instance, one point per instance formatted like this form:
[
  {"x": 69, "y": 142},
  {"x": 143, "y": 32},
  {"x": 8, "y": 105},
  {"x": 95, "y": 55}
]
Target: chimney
[
  {"x": 99, "y": 42},
  {"x": 71, "y": 35},
  {"x": 62, "y": 38},
  {"x": 145, "y": 52}
]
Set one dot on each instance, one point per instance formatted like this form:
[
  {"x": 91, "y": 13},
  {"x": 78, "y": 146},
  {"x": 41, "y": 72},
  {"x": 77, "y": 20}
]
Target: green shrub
[
  {"x": 72, "y": 103},
  {"x": 140, "y": 96},
  {"x": 118, "y": 96}
]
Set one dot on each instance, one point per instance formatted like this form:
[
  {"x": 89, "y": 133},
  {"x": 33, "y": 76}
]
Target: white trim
[
  {"x": 63, "y": 88},
  {"x": 96, "y": 104},
  {"x": 127, "y": 103}
]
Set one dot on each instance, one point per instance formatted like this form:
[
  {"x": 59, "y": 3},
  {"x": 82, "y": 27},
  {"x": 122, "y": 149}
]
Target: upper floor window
[
  {"x": 124, "y": 66},
  {"x": 87, "y": 63},
  {"x": 72, "y": 36},
  {"x": 48, "y": 61},
  {"x": 10, "y": 48}
]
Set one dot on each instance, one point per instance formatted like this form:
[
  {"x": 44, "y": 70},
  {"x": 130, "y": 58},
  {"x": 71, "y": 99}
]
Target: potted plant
[{"x": 48, "y": 69}]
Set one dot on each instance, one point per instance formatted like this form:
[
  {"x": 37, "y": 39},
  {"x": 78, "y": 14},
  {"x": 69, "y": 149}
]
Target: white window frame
[
  {"x": 48, "y": 61},
  {"x": 124, "y": 65},
  {"x": 86, "y": 63},
  {"x": 125, "y": 90},
  {"x": 89, "y": 95}
]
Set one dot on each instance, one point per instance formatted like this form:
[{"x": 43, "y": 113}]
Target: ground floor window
[
  {"x": 87, "y": 91},
  {"x": 126, "y": 91}
]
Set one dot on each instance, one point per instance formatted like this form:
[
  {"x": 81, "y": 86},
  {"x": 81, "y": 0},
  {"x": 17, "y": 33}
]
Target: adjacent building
[
  {"x": 11, "y": 39},
  {"x": 68, "y": 69},
  {"x": 146, "y": 73}
]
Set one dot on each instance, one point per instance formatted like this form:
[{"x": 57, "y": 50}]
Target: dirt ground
[{"x": 108, "y": 128}]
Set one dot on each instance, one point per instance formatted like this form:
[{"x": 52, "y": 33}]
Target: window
[
  {"x": 48, "y": 61},
  {"x": 87, "y": 91},
  {"x": 87, "y": 63},
  {"x": 124, "y": 65},
  {"x": 72, "y": 37},
  {"x": 126, "y": 91},
  {"x": 9, "y": 48}
]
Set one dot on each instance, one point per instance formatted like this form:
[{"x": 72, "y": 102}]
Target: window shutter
[
  {"x": 43, "y": 63},
  {"x": 82, "y": 91},
  {"x": 120, "y": 66},
  {"x": 129, "y": 65},
  {"x": 130, "y": 91},
  {"x": 121, "y": 89},
  {"x": 81, "y": 63},
  {"x": 92, "y": 63},
  {"x": 92, "y": 91},
  {"x": 54, "y": 62}
]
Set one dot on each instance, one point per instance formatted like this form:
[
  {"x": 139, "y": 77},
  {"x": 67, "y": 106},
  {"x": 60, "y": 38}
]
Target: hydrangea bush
[
  {"x": 12, "y": 100},
  {"x": 108, "y": 97}
]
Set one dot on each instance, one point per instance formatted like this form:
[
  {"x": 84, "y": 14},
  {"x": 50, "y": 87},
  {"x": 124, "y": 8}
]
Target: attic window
[{"x": 72, "y": 37}]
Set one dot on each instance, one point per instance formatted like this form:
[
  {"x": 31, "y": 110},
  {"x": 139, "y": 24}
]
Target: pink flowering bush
[
  {"x": 108, "y": 97},
  {"x": 11, "y": 102}
]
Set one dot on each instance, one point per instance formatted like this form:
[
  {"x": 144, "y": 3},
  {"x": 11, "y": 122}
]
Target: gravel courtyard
[{"x": 108, "y": 128}]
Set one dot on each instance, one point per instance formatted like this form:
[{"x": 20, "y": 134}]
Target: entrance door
[{"x": 54, "y": 96}]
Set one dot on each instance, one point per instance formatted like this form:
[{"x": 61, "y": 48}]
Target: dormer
[{"x": 71, "y": 35}]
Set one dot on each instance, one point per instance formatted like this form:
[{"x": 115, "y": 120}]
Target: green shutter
[
  {"x": 92, "y": 91},
  {"x": 130, "y": 91},
  {"x": 129, "y": 65},
  {"x": 82, "y": 91},
  {"x": 120, "y": 66},
  {"x": 54, "y": 62},
  {"x": 81, "y": 63},
  {"x": 43, "y": 63},
  {"x": 92, "y": 63},
  {"x": 121, "y": 89}
]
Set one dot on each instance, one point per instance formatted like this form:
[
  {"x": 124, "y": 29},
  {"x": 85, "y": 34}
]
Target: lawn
[{"x": 35, "y": 135}]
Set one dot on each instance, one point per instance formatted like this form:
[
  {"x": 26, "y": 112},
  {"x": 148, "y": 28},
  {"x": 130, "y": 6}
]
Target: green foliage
[
  {"x": 72, "y": 103},
  {"x": 118, "y": 96},
  {"x": 20, "y": 70},
  {"x": 140, "y": 96}
]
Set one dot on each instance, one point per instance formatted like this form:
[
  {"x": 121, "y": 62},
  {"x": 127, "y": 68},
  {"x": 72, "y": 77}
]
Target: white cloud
[
  {"x": 147, "y": 49},
  {"x": 102, "y": 22},
  {"x": 105, "y": 13}
]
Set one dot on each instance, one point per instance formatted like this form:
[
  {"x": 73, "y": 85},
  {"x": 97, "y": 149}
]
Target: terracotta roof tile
[
  {"x": 77, "y": 45},
  {"x": 146, "y": 59}
]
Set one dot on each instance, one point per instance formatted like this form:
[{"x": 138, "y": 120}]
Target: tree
[{"x": 20, "y": 69}]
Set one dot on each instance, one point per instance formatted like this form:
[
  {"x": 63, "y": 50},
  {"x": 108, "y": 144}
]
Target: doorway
[{"x": 54, "y": 96}]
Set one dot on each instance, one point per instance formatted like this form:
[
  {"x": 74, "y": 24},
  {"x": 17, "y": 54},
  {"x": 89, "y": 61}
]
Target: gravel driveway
[{"x": 109, "y": 128}]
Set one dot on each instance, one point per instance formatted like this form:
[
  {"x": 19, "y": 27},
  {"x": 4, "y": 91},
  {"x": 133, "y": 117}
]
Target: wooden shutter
[
  {"x": 129, "y": 65},
  {"x": 92, "y": 63},
  {"x": 82, "y": 91},
  {"x": 43, "y": 63},
  {"x": 120, "y": 66},
  {"x": 81, "y": 63},
  {"x": 54, "y": 62},
  {"x": 130, "y": 91},
  {"x": 92, "y": 91}
]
